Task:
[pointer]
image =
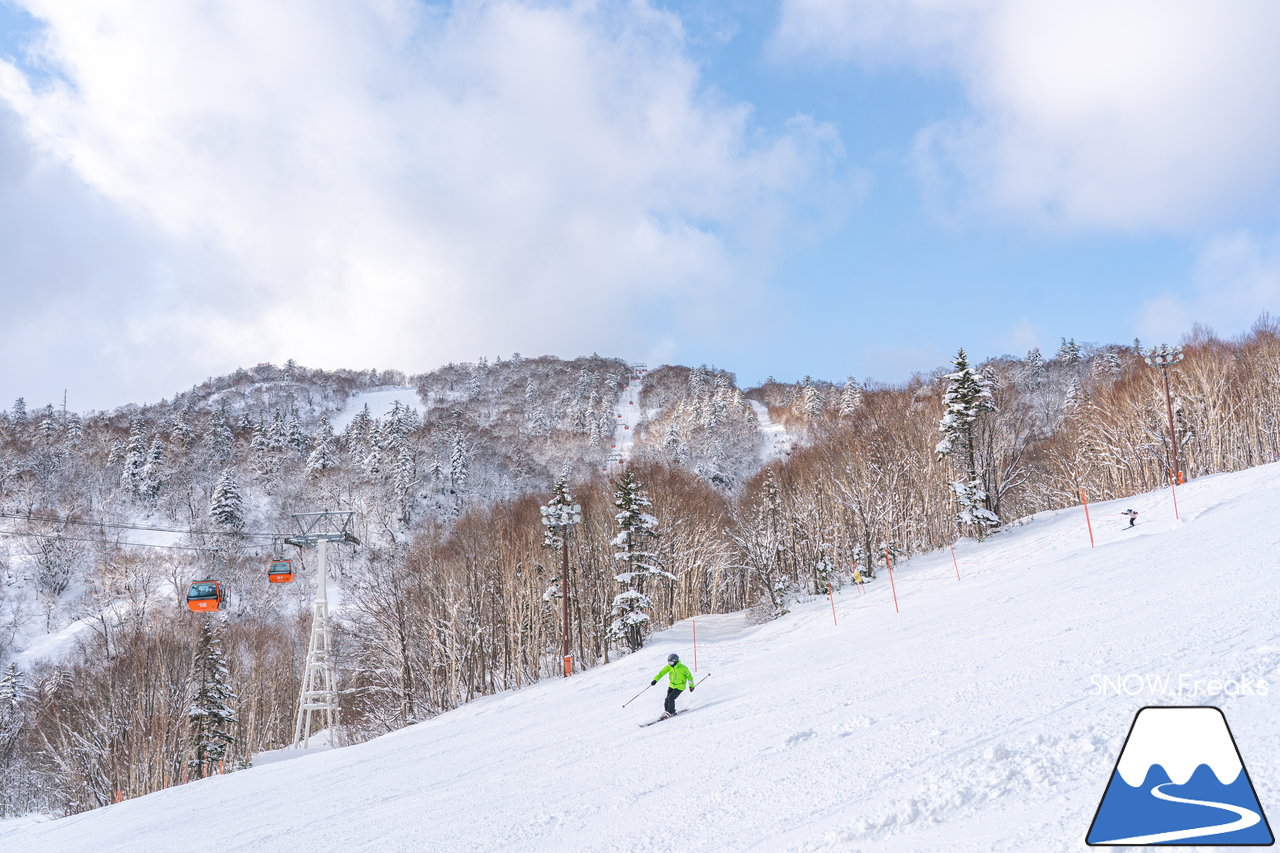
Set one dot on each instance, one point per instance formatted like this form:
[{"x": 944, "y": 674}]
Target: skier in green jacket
[{"x": 678, "y": 677}]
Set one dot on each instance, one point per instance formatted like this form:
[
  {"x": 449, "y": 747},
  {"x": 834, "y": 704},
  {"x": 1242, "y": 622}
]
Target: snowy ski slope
[{"x": 972, "y": 720}]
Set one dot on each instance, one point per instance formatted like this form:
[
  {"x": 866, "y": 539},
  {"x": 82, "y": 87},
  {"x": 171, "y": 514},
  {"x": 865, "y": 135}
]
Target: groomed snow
[
  {"x": 977, "y": 719},
  {"x": 777, "y": 441},
  {"x": 379, "y": 401}
]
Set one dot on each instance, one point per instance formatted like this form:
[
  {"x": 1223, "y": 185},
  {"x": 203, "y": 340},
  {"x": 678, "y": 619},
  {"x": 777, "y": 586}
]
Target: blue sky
[{"x": 822, "y": 187}]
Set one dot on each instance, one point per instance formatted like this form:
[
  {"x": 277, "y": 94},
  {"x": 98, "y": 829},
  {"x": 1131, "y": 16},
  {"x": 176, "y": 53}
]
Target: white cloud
[
  {"x": 1136, "y": 115},
  {"x": 392, "y": 183},
  {"x": 1236, "y": 278}
]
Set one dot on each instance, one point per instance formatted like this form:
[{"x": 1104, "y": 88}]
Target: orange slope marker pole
[
  {"x": 695, "y": 645},
  {"x": 1174, "y": 491},
  {"x": 892, "y": 585},
  {"x": 1086, "y": 517},
  {"x": 953, "y": 561},
  {"x": 832, "y": 596}
]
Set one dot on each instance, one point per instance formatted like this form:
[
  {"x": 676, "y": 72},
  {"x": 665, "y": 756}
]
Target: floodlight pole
[
  {"x": 564, "y": 599},
  {"x": 559, "y": 518},
  {"x": 319, "y": 694},
  {"x": 1165, "y": 357}
]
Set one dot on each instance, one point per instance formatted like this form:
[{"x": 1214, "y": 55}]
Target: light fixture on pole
[
  {"x": 1165, "y": 357},
  {"x": 559, "y": 517}
]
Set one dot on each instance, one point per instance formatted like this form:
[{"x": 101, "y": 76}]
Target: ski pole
[{"x": 635, "y": 697}]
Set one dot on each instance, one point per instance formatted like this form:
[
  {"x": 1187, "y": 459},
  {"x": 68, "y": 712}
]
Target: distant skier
[
  {"x": 678, "y": 677},
  {"x": 1133, "y": 516}
]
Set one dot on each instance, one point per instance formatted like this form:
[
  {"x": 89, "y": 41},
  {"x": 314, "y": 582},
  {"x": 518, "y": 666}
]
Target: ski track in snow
[
  {"x": 970, "y": 721},
  {"x": 626, "y": 416},
  {"x": 777, "y": 441}
]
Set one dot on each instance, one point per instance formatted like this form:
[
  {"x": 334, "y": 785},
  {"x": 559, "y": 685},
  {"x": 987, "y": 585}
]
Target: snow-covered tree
[
  {"x": 1033, "y": 366},
  {"x": 226, "y": 506},
  {"x": 135, "y": 460},
  {"x": 459, "y": 462},
  {"x": 404, "y": 477},
  {"x": 295, "y": 438},
  {"x": 637, "y": 530},
  {"x": 967, "y": 398},
  {"x": 153, "y": 472},
  {"x": 1069, "y": 352},
  {"x": 850, "y": 398},
  {"x": 12, "y": 723},
  {"x": 323, "y": 457},
  {"x": 221, "y": 441},
  {"x": 210, "y": 715},
  {"x": 10, "y": 686},
  {"x": 810, "y": 399}
]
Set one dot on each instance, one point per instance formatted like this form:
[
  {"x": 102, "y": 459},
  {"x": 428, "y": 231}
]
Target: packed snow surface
[
  {"x": 626, "y": 415},
  {"x": 777, "y": 441},
  {"x": 987, "y": 715},
  {"x": 380, "y": 401}
]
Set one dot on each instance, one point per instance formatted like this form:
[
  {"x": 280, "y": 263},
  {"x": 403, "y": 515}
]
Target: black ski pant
[{"x": 672, "y": 693}]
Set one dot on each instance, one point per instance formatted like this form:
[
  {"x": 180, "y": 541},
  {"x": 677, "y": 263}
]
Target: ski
[{"x": 664, "y": 717}]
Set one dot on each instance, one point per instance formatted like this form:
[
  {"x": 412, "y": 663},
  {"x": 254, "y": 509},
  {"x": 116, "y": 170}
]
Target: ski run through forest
[{"x": 949, "y": 704}]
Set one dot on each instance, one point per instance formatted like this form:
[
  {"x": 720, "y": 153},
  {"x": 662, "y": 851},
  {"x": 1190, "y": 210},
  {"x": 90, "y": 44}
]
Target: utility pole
[
  {"x": 558, "y": 517},
  {"x": 1165, "y": 357},
  {"x": 319, "y": 693}
]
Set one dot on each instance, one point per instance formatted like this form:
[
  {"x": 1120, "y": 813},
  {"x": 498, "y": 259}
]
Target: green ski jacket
[{"x": 679, "y": 678}]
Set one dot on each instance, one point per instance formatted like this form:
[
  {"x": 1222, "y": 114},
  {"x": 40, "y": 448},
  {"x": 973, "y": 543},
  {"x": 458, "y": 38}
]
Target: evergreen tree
[
  {"x": 967, "y": 398},
  {"x": 153, "y": 472},
  {"x": 10, "y": 687},
  {"x": 295, "y": 438},
  {"x": 264, "y": 463},
  {"x": 48, "y": 429},
  {"x": 135, "y": 460},
  {"x": 1107, "y": 366},
  {"x": 226, "y": 506},
  {"x": 221, "y": 441},
  {"x": 1071, "y": 401},
  {"x": 1033, "y": 365},
  {"x": 277, "y": 433},
  {"x": 180, "y": 430},
  {"x": 211, "y": 717},
  {"x": 404, "y": 478},
  {"x": 810, "y": 399},
  {"x": 637, "y": 529},
  {"x": 323, "y": 457},
  {"x": 850, "y": 398},
  {"x": 459, "y": 462},
  {"x": 1069, "y": 352},
  {"x": 19, "y": 416},
  {"x": 12, "y": 725}
]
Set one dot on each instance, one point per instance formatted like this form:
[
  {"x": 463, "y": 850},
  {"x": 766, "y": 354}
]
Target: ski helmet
[{"x": 673, "y": 659}]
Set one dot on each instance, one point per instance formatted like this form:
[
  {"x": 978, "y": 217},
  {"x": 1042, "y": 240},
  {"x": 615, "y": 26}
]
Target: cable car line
[
  {"x": 117, "y": 525},
  {"x": 106, "y": 541}
]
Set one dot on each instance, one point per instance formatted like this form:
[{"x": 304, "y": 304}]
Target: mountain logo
[{"x": 1179, "y": 780}]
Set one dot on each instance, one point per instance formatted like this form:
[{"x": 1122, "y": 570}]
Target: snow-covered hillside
[
  {"x": 379, "y": 402},
  {"x": 977, "y": 718}
]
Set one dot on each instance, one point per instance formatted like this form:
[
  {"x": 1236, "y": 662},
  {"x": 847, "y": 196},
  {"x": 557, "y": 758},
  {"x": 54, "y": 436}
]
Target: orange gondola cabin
[
  {"x": 206, "y": 595},
  {"x": 280, "y": 571}
]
